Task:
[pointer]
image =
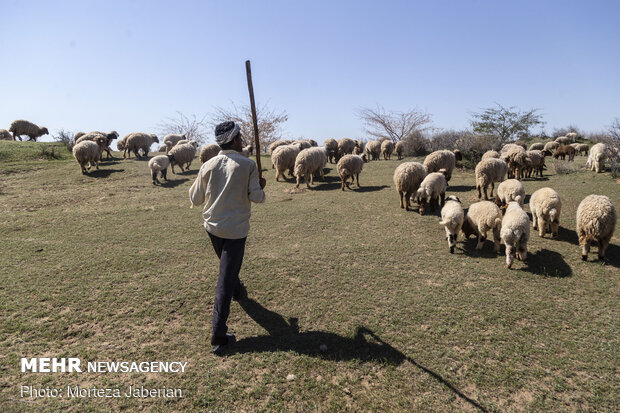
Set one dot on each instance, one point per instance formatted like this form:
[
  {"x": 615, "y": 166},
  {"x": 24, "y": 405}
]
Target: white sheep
[
  {"x": 183, "y": 154},
  {"x": 387, "y": 147},
  {"x": 509, "y": 190},
  {"x": 546, "y": 206},
  {"x": 407, "y": 178},
  {"x": 209, "y": 151},
  {"x": 490, "y": 154},
  {"x": 308, "y": 162},
  {"x": 283, "y": 158},
  {"x": 345, "y": 147},
  {"x": 399, "y": 148},
  {"x": 535, "y": 162},
  {"x": 563, "y": 140},
  {"x": 581, "y": 148},
  {"x": 572, "y": 136},
  {"x": 162, "y": 148},
  {"x": 5, "y": 135},
  {"x": 23, "y": 127},
  {"x": 277, "y": 143},
  {"x": 596, "y": 160},
  {"x": 303, "y": 143},
  {"x": 515, "y": 233},
  {"x": 482, "y": 217},
  {"x": 431, "y": 191},
  {"x": 537, "y": 146},
  {"x": 138, "y": 140},
  {"x": 172, "y": 139},
  {"x": 488, "y": 171},
  {"x": 88, "y": 153},
  {"x": 160, "y": 163},
  {"x": 373, "y": 150},
  {"x": 331, "y": 146},
  {"x": 92, "y": 136},
  {"x": 516, "y": 159},
  {"x": 247, "y": 150},
  {"x": 596, "y": 221},
  {"x": 443, "y": 159},
  {"x": 551, "y": 146},
  {"x": 350, "y": 166},
  {"x": 452, "y": 218},
  {"x": 120, "y": 144}
]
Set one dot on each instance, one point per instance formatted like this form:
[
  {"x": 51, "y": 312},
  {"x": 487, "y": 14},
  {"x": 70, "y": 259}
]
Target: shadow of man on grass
[{"x": 365, "y": 346}]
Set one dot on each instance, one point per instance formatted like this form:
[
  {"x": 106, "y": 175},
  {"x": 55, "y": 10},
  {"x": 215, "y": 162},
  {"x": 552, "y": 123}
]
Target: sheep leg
[
  {"x": 585, "y": 250},
  {"x": 443, "y": 199},
  {"x": 496, "y": 239},
  {"x": 522, "y": 249},
  {"x": 358, "y": 180},
  {"x": 310, "y": 178},
  {"x": 602, "y": 247},
  {"x": 155, "y": 181},
  {"x": 342, "y": 183},
  {"x": 509, "y": 254},
  {"x": 486, "y": 197},
  {"x": 542, "y": 226},
  {"x": 163, "y": 173},
  {"x": 481, "y": 239},
  {"x": 479, "y": 191},
  {"x": 400, "y": 194},
  {"x": 492, "y": 188}
]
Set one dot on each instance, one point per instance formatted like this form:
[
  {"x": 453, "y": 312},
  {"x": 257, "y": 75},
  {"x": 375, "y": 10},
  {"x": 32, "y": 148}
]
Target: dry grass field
[{"x": 107, "y": 266}]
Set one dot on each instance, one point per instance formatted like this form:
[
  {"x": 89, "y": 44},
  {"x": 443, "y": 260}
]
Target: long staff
[{"x": 248, "y": 70}]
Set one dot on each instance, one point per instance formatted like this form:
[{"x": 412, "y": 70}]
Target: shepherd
[{"x": 227, "y": 184}]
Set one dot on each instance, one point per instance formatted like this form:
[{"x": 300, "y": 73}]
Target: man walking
[{"x": 227, "y": 184}]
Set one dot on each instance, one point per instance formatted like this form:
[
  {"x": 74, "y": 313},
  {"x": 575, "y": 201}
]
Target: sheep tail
[{"x": 553, "y": 213}]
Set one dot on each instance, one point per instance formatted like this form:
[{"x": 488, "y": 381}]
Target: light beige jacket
[{"x": 227, "y": 183}]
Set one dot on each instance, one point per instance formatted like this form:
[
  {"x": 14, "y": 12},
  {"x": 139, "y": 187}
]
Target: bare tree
[
  {"x": 192, "y": 127},
  {"x": 65, "y": 137},
  {"x": 507, "y": 124},
  {"x": 393, "y": 125},
  {"x": 269, "y": 122},
  {"x": 569, "y": 129},
  {"x": 614, "y": 130}
]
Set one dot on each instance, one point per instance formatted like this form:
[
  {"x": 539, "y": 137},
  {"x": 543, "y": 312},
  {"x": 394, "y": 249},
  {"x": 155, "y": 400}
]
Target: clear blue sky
[{"x": 127, "y": 65}]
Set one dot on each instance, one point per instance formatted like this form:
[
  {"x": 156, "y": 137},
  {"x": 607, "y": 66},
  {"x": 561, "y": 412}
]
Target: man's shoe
[
  {"x": 240, "y": 293},
  {"x": 220, "y": 344}
]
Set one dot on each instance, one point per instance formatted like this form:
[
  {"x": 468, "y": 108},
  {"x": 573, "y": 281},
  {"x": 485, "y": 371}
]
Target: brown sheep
[{"x": 564, "y": 150}]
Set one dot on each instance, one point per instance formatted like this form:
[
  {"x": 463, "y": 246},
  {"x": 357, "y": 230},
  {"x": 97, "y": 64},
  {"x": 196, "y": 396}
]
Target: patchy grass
[
  {"x": 107, "y": 266},
  {"x": 19, "y": 152}
]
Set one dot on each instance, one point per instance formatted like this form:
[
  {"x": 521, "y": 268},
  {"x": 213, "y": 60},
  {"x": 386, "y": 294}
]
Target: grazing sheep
[
  {"x": 596, "y": 160},
  {"x": 160, "y": 163},
  {"x": 551, "y": 146},
  {"x": 507, "y": 191},
  {"x": 387, "y": 147},
  {"x": 563, "y": 151},
  {"x": 373, "y": 150},
  {"x": 91, "y": 136},
  {"x": 23, "y": 127},
  {"x": 5, "y": 135},
  {"x": 443, "y": 159},
  {"x": 89, "y": 152},
  {"x": 572, "y": 136},
  {"x": 488, "y": 171},
  {"x": 407, "y": 178},
  {"x": 546, "y": 206},
  {"x": 510, "y": 147},
  {"x": 277, "y": 143},
  {"x": 580, "y": 148},
  {"x": 431, "y": 190},
  {"x": 331, "y": 147},
  {"x": 303, "y": 143},
  {"x": 481, "y": 217},
  {"x": 283, "y": 158},
  {"x": 458, "y": 155},
  {"x": 171, "y": 139},
  {"x": 535, "y": 162},
  {"x": 120, "y": 144},
  {"x": 78, "y": 136},
  {"x": 399, "y": 148},
  {"x": 247, "y": 150},
  {"x": 359, "y": 147},
  {"x": 490, "y": 154},
  {"x": 162, "y": 148},
  {"x": 209, "y": 151},
  {"x": 537, "y": 146},
  {"x": 183, "y": 154},
  {"x": 452, "y": 217},
  {"x": 345, "y": 147},
  {"x": 308, "y": 162},
  {"x": 190, "y": 141},
  {"x": 516, "y": 159},
  {"x": 350, "y": 166},
  {"x": 596, "y": 221},
  {"x": 515, "y": 233},
  {"x": 136, "y": 141},
  {"x": 562, "y": 140}
]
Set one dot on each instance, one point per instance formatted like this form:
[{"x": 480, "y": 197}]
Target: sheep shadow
[
  {"x": 103, "y": 173},
  {"x": 548, "y": 263},
  {"x": 188, "y": 172},
  {"x": 469, "y": 247},
  {"x": 460, "y": 188},
  {"x": 613, "y": 255},
  {"x": 173, "y": 183},
  {"x": 364, "y": 347},
  {"x": 371, "y": 188},
  {"x": 567, "y": 235}
]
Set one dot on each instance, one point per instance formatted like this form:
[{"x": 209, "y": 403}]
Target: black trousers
[{"x": 230, "y": 252}]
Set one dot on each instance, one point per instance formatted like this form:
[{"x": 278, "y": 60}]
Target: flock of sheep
[{"x": 425, "y": 183}]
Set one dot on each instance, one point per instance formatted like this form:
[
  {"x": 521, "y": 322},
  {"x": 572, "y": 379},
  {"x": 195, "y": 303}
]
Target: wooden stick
[{"x": 248, "y": 70}]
